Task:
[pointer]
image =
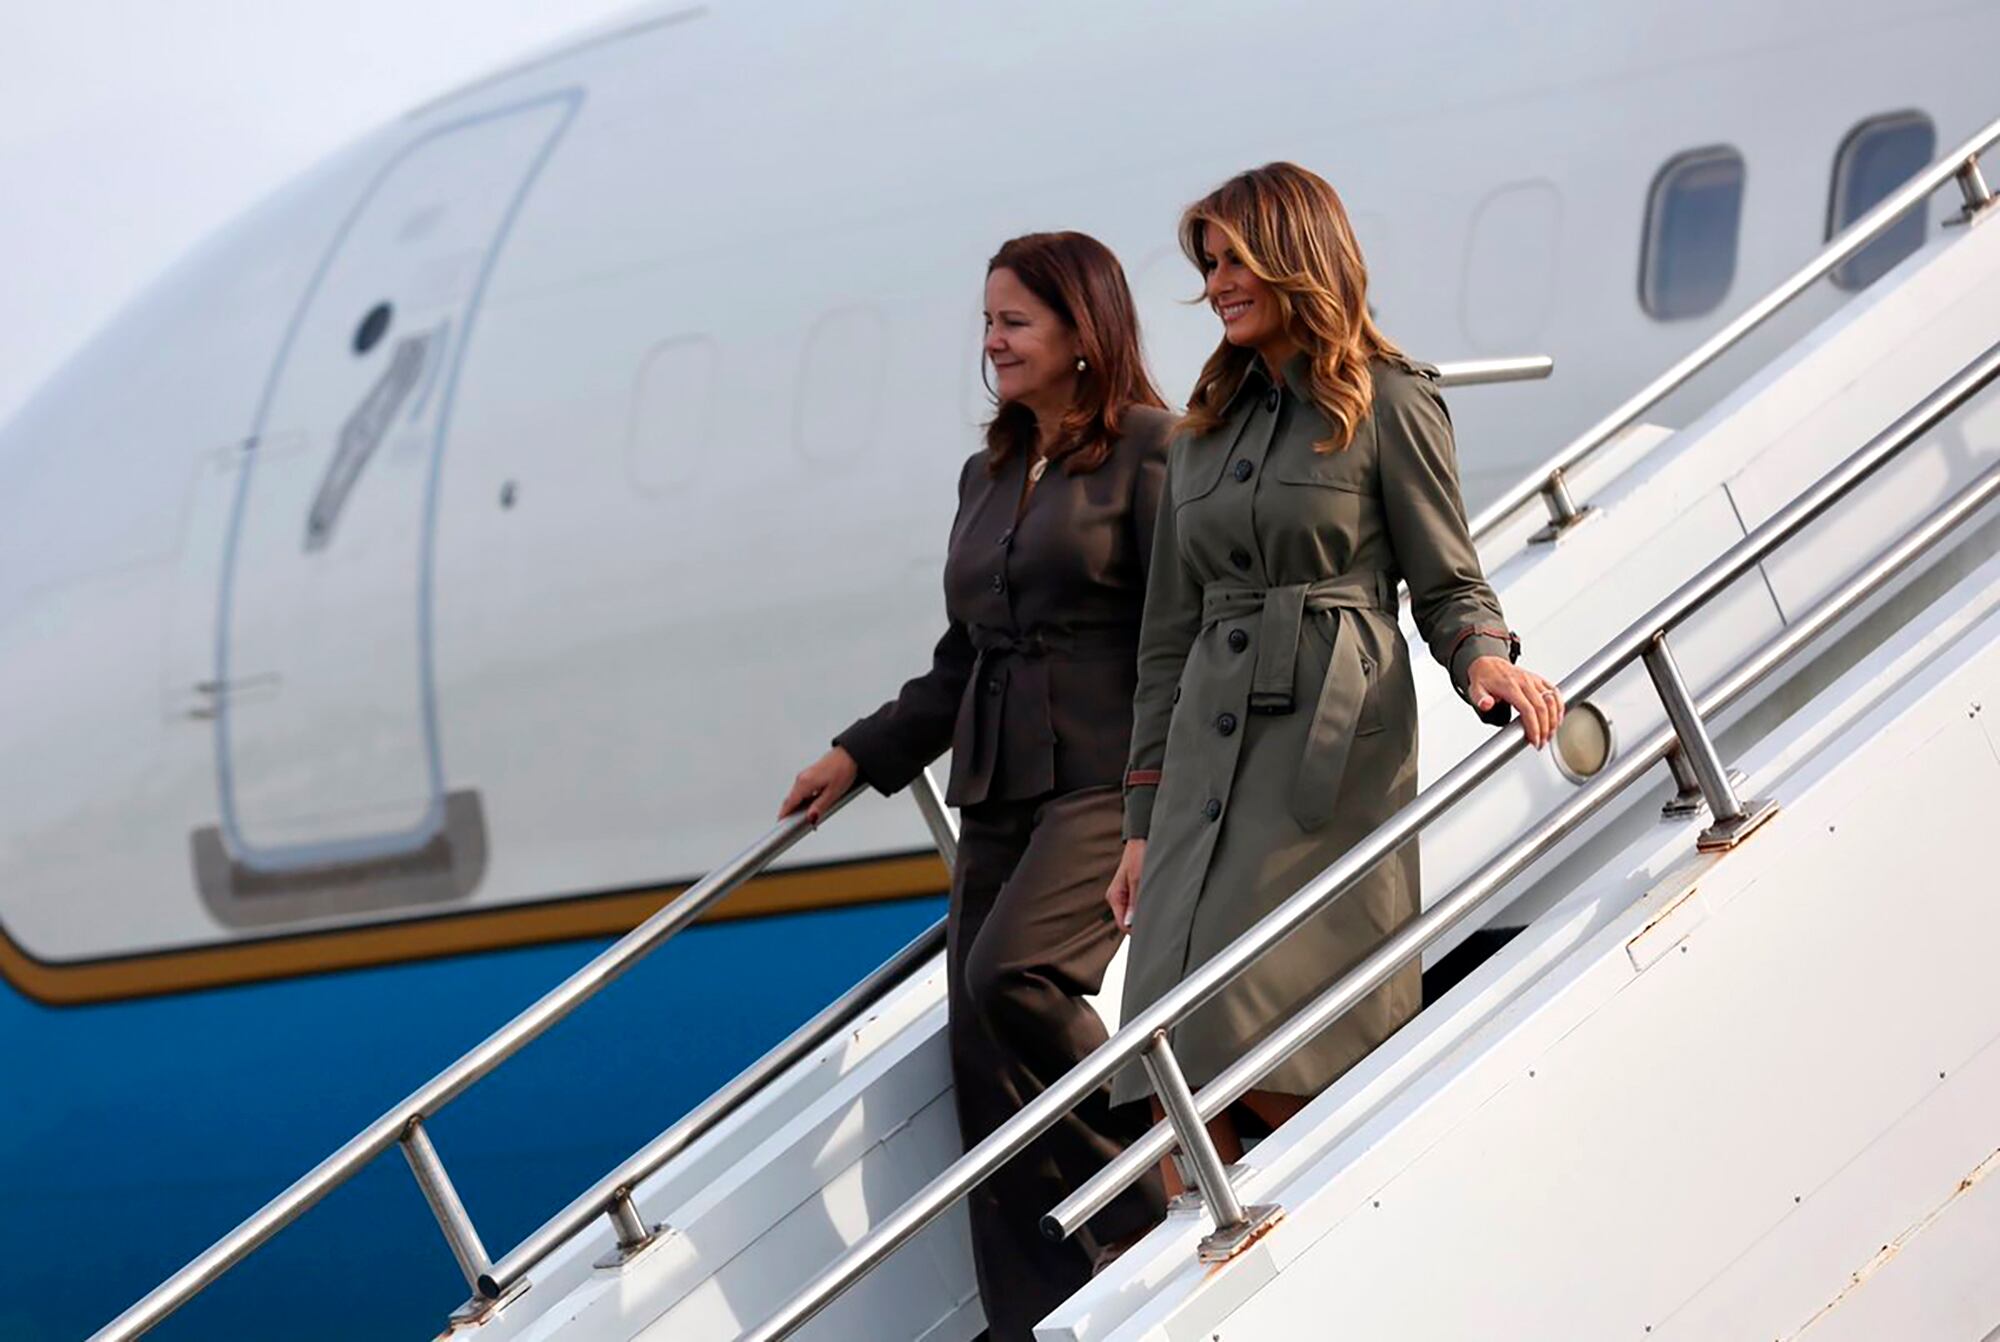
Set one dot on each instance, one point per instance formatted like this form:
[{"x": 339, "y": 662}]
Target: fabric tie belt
[
  {"x": 1281, "y": 615},
  {"x": 1010, "y": 677}
]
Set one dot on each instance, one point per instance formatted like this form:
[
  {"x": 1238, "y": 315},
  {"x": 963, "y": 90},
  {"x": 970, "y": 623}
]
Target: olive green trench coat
[{"x": 1274, "y": 723}]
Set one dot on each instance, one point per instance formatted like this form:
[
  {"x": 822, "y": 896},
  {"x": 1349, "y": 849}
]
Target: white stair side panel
[
  {"x": 744, "y": 1238},
  {"x": 1794, "y": 1008},
  {"x": 1934, "y": 1281},
  {"x": 1911, "y": 1177},
  {"x": 1665, "y": 514},
  {"x": 1442, "y": 1071}
]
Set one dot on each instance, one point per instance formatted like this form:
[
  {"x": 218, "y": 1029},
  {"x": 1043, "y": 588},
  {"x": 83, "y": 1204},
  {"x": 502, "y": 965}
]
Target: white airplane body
[{"x": 466, "y": 546}]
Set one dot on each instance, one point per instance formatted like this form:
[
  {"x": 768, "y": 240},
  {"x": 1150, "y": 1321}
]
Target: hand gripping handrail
[
  {"x": 404, "y": 1123},
  {"x": 1645, "y": 639},
  {"x": 1550, "y": 480}
]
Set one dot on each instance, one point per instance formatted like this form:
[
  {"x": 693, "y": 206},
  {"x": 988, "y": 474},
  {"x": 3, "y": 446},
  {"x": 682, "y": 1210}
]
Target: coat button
[
  {"x": 1226, "y": 724},
  {"x": 993, "y": 686},
  {"x": 1240, "y": 557},
  {"x": 1213, "y": 810},
  {"x": 1238, "y": 640},
  {"x": 1243, "y": 468},
  {"x": 999, "y": 582},
  {"x": 1271, "y": 399}
]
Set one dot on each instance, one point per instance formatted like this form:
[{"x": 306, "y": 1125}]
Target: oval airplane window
[
  {"x": 1878, "y": 156},
  {"x": 1693, "y": 217},
  {"x": 672, "y": 409},
  {"x": 838, "y": 407},
  {"x": 1509, "y": 285}
]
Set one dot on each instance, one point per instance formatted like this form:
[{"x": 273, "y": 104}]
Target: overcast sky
[{"x": 130, "y": 128}]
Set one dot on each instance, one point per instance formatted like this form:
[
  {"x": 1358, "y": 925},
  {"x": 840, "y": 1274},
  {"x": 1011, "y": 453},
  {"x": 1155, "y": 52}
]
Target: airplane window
[
  {"x": 1878, "y": 156},
  {"x": 1512, "y": 258},
  {"x": 843, "y": 370},
  {"x": 672, "y": 416},
  {"x": 1692, "y": 218}
]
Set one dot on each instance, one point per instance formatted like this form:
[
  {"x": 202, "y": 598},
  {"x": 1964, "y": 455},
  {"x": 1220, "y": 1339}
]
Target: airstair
[{"x": 1736, "y": 1044}]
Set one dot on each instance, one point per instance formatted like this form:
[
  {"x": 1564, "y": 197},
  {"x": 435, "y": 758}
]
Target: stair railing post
[
  {"x": 1235, "y": 1225},
  {"x": 1564, "y": 511},
  {"x": 1973, "y": 188},
  {"x": 937, "y": 816},
  {"x": 1732, "y": 819},
  {"x": 1687, "y": 798},
  {"x": 444, "y": 1201},
  {"x": 632, "y": 1231}
]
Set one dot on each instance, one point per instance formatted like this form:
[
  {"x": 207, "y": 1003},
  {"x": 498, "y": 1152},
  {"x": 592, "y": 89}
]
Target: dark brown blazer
[{"x": 1031, "y": 685}]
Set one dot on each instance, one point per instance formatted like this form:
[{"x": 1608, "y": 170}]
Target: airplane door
[{"x": 333, "y": 764}]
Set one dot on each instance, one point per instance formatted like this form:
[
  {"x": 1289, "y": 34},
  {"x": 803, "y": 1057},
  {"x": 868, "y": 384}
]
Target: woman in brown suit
[
  {"x": 1031, "y": 688},
  {"x": 1275, "y": 721}
]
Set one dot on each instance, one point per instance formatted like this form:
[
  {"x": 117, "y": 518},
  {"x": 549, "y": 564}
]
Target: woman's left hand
[{"x": 1494, "y": 679}]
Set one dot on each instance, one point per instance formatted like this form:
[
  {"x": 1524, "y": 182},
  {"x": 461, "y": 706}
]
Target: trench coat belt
[
  {"x": 1281, "y": 619},
  {"x": 1010, "y": 669}
]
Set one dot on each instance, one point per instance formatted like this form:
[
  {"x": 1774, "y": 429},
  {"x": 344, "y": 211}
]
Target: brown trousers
[{"x": 1030, "y": 936}]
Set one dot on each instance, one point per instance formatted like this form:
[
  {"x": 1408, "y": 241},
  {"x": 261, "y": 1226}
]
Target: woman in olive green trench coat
[{"x": 1275, "y": 721}]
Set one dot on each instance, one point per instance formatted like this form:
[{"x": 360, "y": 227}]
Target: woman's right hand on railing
[
  {"x": 1123, "y": 896},
  {"x": 820, "y": 784}
]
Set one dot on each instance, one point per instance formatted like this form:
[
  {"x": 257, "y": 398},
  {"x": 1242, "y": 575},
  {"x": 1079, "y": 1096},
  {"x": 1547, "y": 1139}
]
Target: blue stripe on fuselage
[{"x": 135, "y": 1134}]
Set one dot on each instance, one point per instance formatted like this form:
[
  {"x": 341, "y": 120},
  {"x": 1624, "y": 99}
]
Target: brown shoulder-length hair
[
  {"x": 1289, "y": 228},
  {"x": 1079, "y": 278}
]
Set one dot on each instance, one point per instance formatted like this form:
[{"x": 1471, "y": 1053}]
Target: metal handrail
[
  {"x": 1420, "y": 933},
  {"x": 1145, "y": 1032},
  {"x": 1549, "y": 481},
  {"x": 612, "y": 1195},
  {"x": 607, "y": 1193},
  {"x": 404, "y": 1124},
  {"x": 1484, "y": 372},
  {"x": 603, "y": 1197}
]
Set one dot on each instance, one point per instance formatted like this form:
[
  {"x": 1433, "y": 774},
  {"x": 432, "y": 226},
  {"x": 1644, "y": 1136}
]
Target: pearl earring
[{"x": 1080, "y": 364}]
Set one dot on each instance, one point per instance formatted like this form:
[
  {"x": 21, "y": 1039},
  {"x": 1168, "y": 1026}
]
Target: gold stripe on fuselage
[{"x": 873, "y": 880}]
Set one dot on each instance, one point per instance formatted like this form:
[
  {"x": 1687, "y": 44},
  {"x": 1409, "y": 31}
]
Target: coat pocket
[{"x": 1348, "y": 470}]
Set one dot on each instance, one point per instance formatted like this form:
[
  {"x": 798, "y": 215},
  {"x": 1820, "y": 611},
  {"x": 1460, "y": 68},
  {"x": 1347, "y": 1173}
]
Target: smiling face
[
  {"x": 1248, "y": 307},
  {"x": 1032, "y": 350}
]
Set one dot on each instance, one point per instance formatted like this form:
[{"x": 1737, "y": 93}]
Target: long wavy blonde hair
[{"x": 1288, "y": 227}]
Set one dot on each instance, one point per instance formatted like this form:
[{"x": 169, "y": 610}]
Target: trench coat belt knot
[
  {"x": 1010, "y": 678},
  {"x": 1281, "y": 619}
]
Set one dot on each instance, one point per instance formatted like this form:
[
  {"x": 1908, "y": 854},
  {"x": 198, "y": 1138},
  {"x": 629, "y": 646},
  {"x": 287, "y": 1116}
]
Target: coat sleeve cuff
[
  {"x": 1139, "y": 808},
  {"x": 872, "y": 761}
]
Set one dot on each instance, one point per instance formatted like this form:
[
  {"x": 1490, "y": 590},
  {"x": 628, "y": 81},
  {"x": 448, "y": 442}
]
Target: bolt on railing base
[
  {"x": 1564, "y": 514},
  {"x": 1223, "y": 1244},
  {"x": 635, "y": 1233},
  {"x": 479, "y": 1309},
  {"x": 1973, "y": 190},
  {"x": 1720, "y": 838},
  {"x": 1687, "y": 801},
  {"x": 1555, "y": 531},
  {"x": 620, "y": 1256}
]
